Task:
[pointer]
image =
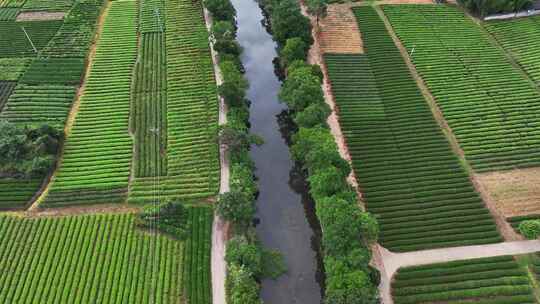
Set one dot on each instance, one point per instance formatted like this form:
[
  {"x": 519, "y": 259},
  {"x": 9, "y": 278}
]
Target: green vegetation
[
  {"x": 530, "y": 229},
  {"x": 490, "y": 105},
  {"x": 483, "y": 8},
  {"x": 6, "y": 87},
  {"x": 37, "y": 105},
  {"x": 104, "y": 258},
  {"x": 521, "y": 38},
  {"x": 153, "y": 16},
  {"x": 16, "y": 193},
  {"x": 47, "y": 5},
  {"x": 409, "y": 175},
  {"x": 11, "y": 3},
  {"x": 149, "y": 108},
  {"x": 483, "y": 281},
  {"x": 191, "y": 108},
  {"x": 13, "y": 68},
  {"x": 516, "y": 220},
  {"x": 13, "y": 41},
  {"x": 98, "y": 151},
  {"x": 74, "y": 37},
  {"x": 8, "y": 14},
  {"x": 60, "y": 71}
]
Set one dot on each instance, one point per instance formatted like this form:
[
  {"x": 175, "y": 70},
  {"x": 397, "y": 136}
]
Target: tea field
[
  {"x": 485, "y": 281},
  {"x": 492, "y": 106},
  {"x": 103, "y": 258},
  {"x": 410, "y": 177}
]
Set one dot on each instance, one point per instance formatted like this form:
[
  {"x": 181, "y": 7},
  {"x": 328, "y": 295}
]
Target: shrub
[
  {"x": 249, "y": 255},
  {"x": 313, "y": 115},
  {"x": 288, "y": 22},
  {"x": 294, "y": 49},
  {"x": 241, "y": 286},
  {"x": 301, "y": 89},
  {"x": 169, "y": 217},
  {"x": 237, "y": 208},
  {"x": 530, "y": 229},
  {"x": 222, "y": 10},
  {"x": 234, "y": 86}
]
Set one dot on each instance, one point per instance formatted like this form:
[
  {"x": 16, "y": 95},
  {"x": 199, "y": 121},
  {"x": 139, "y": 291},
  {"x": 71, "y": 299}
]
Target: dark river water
[{"x": 287, "y": 221}]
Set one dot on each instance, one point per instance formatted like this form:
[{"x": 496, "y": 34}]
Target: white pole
[{"x": 30, "y": 40}]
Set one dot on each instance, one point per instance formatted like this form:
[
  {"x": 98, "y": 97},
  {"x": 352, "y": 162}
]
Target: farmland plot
[
  {"x": 6, "y": 87},
  {"x": 102, "y": 258},
  {"x": 15, "y": 193},
  {"x": 481, "y": 281},
  {"x": 13, "y": 41},
  {"x": 192, "y": 111},
  {"x": 410, "y": 178},
  {"x": 520, "y": 37},
  {"x": 47, "y": 5},
  {"x": 13, "y": 68},
  {"x": 491, "y": 106},
  {"x": 8, "y": 13},
  {"x": 98, "y": 151}
]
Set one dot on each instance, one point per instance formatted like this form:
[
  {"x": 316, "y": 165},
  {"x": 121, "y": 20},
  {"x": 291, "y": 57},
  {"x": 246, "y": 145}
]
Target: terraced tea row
[
  {"x": 410, "y": 178},
  {"x": 192, "y": 111},
  {"x": 13, "y": 68},
  {"x": 13, "y": 41},
  {"x": 98, "y": 150},
  {"x": 492, "y": 108},
  {"x": 16, "y": 193},
  {"x": 149, "y": 108},
  {"x": 102, "y": 258},
  {"x": 6, "y": 87},
  {"x": 521, "y": 38},
  {"x": 482, "y": 281}
]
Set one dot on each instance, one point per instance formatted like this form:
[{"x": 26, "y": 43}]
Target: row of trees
[
  {"x": 27, "y": 151},
  {"x": 247, "y": 261},
  {"x": 483, "y": 8},
  {"x": 347, "y": 231}
]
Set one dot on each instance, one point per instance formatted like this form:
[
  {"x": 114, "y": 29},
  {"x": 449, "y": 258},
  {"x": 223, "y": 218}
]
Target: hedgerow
[
  {"x": 491, "y": 280},
  {"x": 481, "y": 94}
]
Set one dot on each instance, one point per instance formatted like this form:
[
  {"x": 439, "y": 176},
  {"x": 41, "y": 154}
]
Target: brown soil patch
[
  {"x": 76, "y": 210},
  {"x": 515, "y": 192},
  {"x": 40, "y": 16},
  {"x": 406, "y": 2},
  {"x": 338, "y": 31}
]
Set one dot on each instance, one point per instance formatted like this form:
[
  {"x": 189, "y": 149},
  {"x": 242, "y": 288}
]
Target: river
[{"x": 287, "y": 220}]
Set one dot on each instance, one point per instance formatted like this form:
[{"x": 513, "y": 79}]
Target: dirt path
[
  {"x": 219, "y": 227},
  {"x": 74, "y": 107},
  {"x": 75, "y": 210}
]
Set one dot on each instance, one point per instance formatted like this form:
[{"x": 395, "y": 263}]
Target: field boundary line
[
  {"x": 42, "y": 193},
  {"x": 219, "y": 226}
]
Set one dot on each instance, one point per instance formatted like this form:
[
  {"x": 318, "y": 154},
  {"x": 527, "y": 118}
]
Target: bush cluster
[
  {"x": 27, "y": 151},
  {"x": 530, "y": 229},
  {"x": 247, "y": 261},
  {"x": 170, "y": 217},
  {"x": 347, "y": 231},
  {"x": 486, "y": 7}
]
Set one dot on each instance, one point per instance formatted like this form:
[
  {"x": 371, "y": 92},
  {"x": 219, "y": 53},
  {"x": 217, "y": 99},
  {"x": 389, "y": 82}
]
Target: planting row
[
  {"x": 102, "y": 258},
  {"x": 98, "y": 150},
  {"x": 491, "y": 106},
  {"x": 483, "y": 281},
  {"x": 521, "y": 38},
  {"x": 410, "y": 177}
]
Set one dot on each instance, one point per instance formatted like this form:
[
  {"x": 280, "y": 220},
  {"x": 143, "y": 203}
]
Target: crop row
[
  {"x": 490, "y": 105},
  {"x": 14, "y": 43},
  {"x": 61, "y": 71},
  {"x": 516, "y": 220},
  {"x": 15, "y": 193},
  {"x": 153, "y": 16},
  {"x": 149, "y": 107},
  {"x": 11, "y": 3},
  {"x": 76, "y": 34},
  {"x": 13, "y": 68},
  {"x": 6, "y": 87},
  {"x": 410, "y": 177},
  {"x": 98, "y": 258},
  {"x": 8, "y": 13},
  {"x": 98, "y": 150},
  {"x": 42, "y": 104},
  {"x": 520, "y": 37},
  {"x": 486, "y": 281},
  {"x": 48, "y": 5}
]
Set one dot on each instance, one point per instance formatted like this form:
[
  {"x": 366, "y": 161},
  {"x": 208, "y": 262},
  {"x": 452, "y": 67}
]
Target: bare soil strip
[
  {"x": 75, "y": 210},
  {"x": 40, "y": 16},
  {"x": 338, "y": 31},
  {"x": 220, "y": 228},
  {"x": 515, "y": 192},
  {"x": 74, "y": 107}
]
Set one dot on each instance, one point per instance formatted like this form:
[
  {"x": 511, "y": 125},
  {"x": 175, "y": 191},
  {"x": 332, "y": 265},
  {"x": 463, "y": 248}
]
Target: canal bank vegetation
[
  {"x": 347, "y": 231},
  {"x": 247, "y": 261}
]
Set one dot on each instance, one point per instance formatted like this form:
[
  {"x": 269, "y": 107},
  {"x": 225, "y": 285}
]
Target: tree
[
  {"x": 234, "y": 86},
  {"x": 13, "y": 142},
  {"x": 301, "y": 89},
  {"x": 313, "y": 115},
  {"x": 236, "y": 140},
  {"x": 294, "y": 49},
  {"x": 241, "y": 286},
  {"x": 223, "y": 36},
  {"x": 288, "y": 22},
  {"x": 236, "y": 208},
  {"x": 306, "y": 139},
  {"x": 222, "y": 10},
  {"x": 317, "y": 8},
  {"x": 530, "y": 229},
  {"x": 352, "y": 287},
  {"x": 241, "y": 252}
]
